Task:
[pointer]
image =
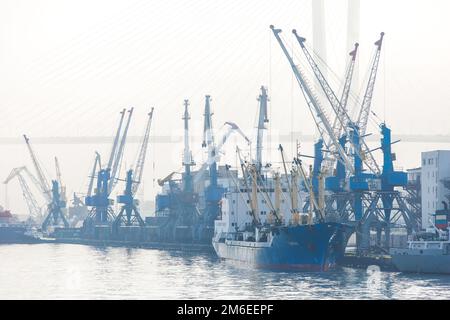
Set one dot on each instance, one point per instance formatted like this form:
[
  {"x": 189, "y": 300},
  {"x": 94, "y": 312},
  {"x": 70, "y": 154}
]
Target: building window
[{"x": 424, "y": 162}]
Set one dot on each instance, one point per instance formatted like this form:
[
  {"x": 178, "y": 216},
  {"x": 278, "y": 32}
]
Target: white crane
[
  {"x": 52, "y": 194},
  {"x": 364, "y": 112},
  {"x": 34, "y": 209},
  {"x": 322, "y": 122},
  {"x": 117, "y": 157},
  {"x": 215, "y": 157},
  {"x": 340, "y": 112},
  {"x": 139, "y": 167}
]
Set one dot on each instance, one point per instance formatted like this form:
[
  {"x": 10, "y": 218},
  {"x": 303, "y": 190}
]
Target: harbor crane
[
  {"x": 369, "y": 197},
  {"x": 101, "y": 212},
  {"x": 341, "y": 115},
  {"x": 129, "y": 213},
  {"x": 364, "y": 111},
  {"x": 323, "y": 124},
  {"x": 181, "y": 200},
  {"x": 213, "y": 192},
  {"x": 214, "y": 153},
  {"x": 34, "y": 209},
  {"x": 55, "y": 204}
]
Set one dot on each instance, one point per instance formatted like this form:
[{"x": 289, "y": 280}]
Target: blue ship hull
[{"x": 316, "y": 247}]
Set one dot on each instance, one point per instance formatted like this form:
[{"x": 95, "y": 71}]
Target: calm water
[{"x": 63, "y": 271}]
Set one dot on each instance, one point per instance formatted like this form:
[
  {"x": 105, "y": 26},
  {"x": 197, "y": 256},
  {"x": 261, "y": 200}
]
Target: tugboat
[{"x": 429, "y": 253}]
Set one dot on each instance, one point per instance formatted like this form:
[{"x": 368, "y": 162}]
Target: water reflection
[{"x": 63, "y": 271}]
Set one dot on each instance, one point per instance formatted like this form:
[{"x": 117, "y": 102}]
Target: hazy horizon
[{"x": 69, "y": 67}]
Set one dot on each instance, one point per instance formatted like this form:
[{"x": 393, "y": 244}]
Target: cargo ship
[
  {"x": 315, "y": 247},
  {"x": 261, "y": 224},
  {"x": 429, "y": 252}
]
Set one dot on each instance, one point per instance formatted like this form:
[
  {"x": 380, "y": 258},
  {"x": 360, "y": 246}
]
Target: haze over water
[{"x": 64, "y": 271}]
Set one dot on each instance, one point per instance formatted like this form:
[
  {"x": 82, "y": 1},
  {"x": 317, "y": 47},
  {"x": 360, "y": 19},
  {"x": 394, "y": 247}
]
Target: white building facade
[{"x": 435, "y": 168}]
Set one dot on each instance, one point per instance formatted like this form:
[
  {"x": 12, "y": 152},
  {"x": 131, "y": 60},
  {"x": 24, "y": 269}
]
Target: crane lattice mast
[
  {"x": 33, "y": 206},
  {"x": 341, "y": 114},
  {"x": 322, "y": 122},
  {"x": 364, "y": 112},
  {"x": 139, "y": 167}
]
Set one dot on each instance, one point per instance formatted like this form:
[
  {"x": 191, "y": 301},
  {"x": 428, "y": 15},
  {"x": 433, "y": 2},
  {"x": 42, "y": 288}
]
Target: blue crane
[
  {"x": 54, "y": 215},
  {"x": 101, "y": 212},
  {"x": 320, "y": 118},
  {"x": 129, "y": 213},
  {"x": 351, "y": 185},
  {"x": 341, "y": 115}
]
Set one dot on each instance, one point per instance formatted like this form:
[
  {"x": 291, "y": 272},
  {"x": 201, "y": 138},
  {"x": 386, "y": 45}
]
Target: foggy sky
[{"x": 68, "y": 67}]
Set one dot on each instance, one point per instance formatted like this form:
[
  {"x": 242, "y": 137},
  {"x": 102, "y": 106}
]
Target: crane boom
[
  {"x": 341, "y": 114},
  {"x": 320, "y": 118},
  {"x": 116, "y": 140},
  {"x": 97, "y": 162},
  {"x": 364, "y": 112},
  {"x": 338, "y": 128},
  {"x": 232, "y": 127},
  {"x": 58, "y": 171},
  {"x": 139, "y": 168},
  {"x": 42, "y": 181},
  {"x": 33, "y": 206},
  {"x": 118, "y": 158}
]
